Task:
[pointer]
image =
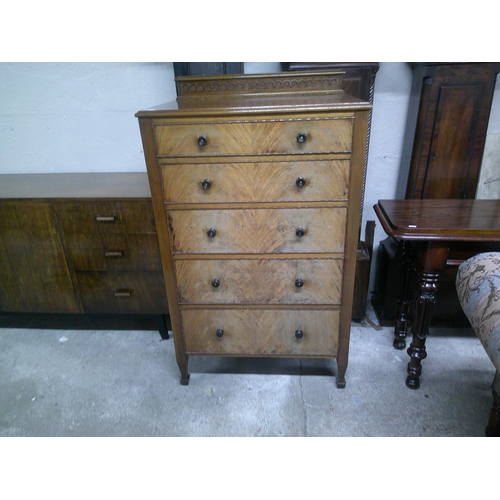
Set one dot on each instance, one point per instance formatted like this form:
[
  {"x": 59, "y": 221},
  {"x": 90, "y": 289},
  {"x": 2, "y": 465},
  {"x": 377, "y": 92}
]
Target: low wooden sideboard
[{"x": 80, "y": 243}]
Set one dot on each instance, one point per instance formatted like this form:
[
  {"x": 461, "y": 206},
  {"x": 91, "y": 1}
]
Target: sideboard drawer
[
  {"x": 258, "y": 230},
  {"x": 122, "y": 292},
  {"x": 261, "y": 331},
  {"x": 113, "y": 251},
  {"x": 312, "y": 180},
  {"x": 106, "y": 217},
  {"x": 268, "y": 281},
  {"x": 294, "y": 136}
]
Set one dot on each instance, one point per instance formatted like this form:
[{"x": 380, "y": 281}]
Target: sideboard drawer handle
[
  {"x": 122, "y": 292},
  {"x": 301, "y": 182},
  {"x": 105, "y": 218},
  {"x": 299, "y": 334},
  {"x": 211, "y": 232},
  {"x": 202, "y": 140},
  {"x": 206, "y": 184},
  {"x": 299, "y": 282},
  {"x": 301, "y": 137},
  {"x": 219, "y": 332},
  {"x": 113, "y": 254},
  {"x": 300, "y": 232},
  {"x": 215, "y": 282}
]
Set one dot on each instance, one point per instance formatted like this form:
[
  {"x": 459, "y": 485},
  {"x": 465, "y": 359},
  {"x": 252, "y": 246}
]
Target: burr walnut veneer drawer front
[
  {"x": 267, "y": 281},
  {"x": 318, "y": 180},
  {"x": 332, "y": 135},
  {"x": 261, "y": 332},
  {"x": 287, "y": 230}
]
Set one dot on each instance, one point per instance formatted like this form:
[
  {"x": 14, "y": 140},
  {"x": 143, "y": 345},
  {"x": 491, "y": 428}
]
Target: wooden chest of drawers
[
  {"x": 256, "y": 184},
  {"x": 80, "y": 243}
]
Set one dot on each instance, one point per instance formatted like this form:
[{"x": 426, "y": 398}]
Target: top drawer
[
  {"x": 325, "y": 135},
  {"x": 82, "y": 217}
]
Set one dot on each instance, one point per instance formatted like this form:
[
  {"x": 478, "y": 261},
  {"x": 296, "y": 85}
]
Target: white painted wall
[{"x": 79, "y": 117}]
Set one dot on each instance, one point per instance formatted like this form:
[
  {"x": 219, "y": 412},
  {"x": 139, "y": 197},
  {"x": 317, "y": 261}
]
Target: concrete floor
[{"x": 126, "y": 383}]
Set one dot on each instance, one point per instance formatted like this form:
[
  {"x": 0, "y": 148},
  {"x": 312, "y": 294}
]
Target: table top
[{"x": 443, "y": 220}]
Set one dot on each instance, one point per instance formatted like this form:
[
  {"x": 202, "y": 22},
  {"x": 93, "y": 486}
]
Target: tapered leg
[
  {"x": 183, "y": 367},
  {"x": 432, "y": 259},
  {"x": 341, "y": 369},
  {"x": 182, "y": 358},
  {"x": 406, "y": 293}
]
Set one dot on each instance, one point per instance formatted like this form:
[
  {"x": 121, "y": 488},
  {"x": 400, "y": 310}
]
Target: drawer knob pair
[
  {"x": 299, "y": 282},
  {"x": 299, "y": 232},
  {"x": 298, "y": 333},
  {"x": 301, "y": 138}
]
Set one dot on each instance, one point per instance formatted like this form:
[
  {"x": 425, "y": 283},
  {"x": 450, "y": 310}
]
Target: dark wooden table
[{"x": 429, "y": 229}]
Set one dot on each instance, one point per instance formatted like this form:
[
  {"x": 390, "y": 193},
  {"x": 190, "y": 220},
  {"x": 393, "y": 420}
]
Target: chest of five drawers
[{"x": 257, "y": 215}]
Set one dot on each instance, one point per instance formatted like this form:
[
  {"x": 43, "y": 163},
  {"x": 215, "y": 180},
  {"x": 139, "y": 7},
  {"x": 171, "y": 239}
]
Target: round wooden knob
[
  {"x": 301, "y": 137},
  {"x": 202, "y": 140},
  {"x": 211, "y": 232},
  {"x": 301, "y": 182},
  {"x": 219, "y": 332},
  {"x": 299, "y": 334},
  {"x": 215, "y": 282},
  {"x": 300, "y": 232},
  {"x": 299, "y": 282},
  {"x": 206, "y": 184}
]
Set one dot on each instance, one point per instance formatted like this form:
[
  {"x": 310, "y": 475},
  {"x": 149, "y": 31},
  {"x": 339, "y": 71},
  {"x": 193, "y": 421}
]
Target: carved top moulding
[
  {"x": 253, "y": 94},
  {"x": 214, "y": 85}
]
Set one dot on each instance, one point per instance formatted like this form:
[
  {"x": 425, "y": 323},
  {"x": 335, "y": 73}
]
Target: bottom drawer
[
  {"x": 122, "y": 292},
  {"x": 261, "y": 332}
]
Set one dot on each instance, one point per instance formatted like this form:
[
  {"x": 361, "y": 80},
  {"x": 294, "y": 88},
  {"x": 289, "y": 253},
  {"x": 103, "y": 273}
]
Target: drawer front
[
  {"x": 261, "y": 332},
  {"x": 254, "y": 138},
  {"x": 258, "y": 230},
  {"x": 270, "y": 281},
  {"x": 106, "y": 216},
  {"x": 114, "y": 251},
  {"x": 260, "y": 182},
  {"x": 122, "y": 292}
]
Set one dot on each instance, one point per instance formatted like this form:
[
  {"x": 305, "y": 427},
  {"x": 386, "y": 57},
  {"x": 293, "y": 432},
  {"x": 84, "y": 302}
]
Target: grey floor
[{"x": 126, "y": 383}]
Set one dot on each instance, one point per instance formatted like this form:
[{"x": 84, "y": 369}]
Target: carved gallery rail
[{"x": 429, "y": 229}]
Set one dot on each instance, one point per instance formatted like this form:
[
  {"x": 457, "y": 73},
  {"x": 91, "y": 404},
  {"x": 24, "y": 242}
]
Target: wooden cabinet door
[
  {"x": 451, "y": 126},
  {"x": 34, "y": 275}
]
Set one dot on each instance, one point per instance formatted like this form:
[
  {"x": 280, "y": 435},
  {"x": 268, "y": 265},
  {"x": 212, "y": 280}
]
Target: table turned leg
[
  {"x": 433, "y": 258},
  {"x": 406, "y": 293}
]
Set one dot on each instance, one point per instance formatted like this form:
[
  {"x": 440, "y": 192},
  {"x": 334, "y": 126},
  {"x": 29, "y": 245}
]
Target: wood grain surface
[
  {"x": 261, "y": 332},
  {"x": 258, "y": 230},
  {"x": 328, "y": 135},
  {"x": 258, "y": 182},
  {"x": 267, "y": 281}
]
